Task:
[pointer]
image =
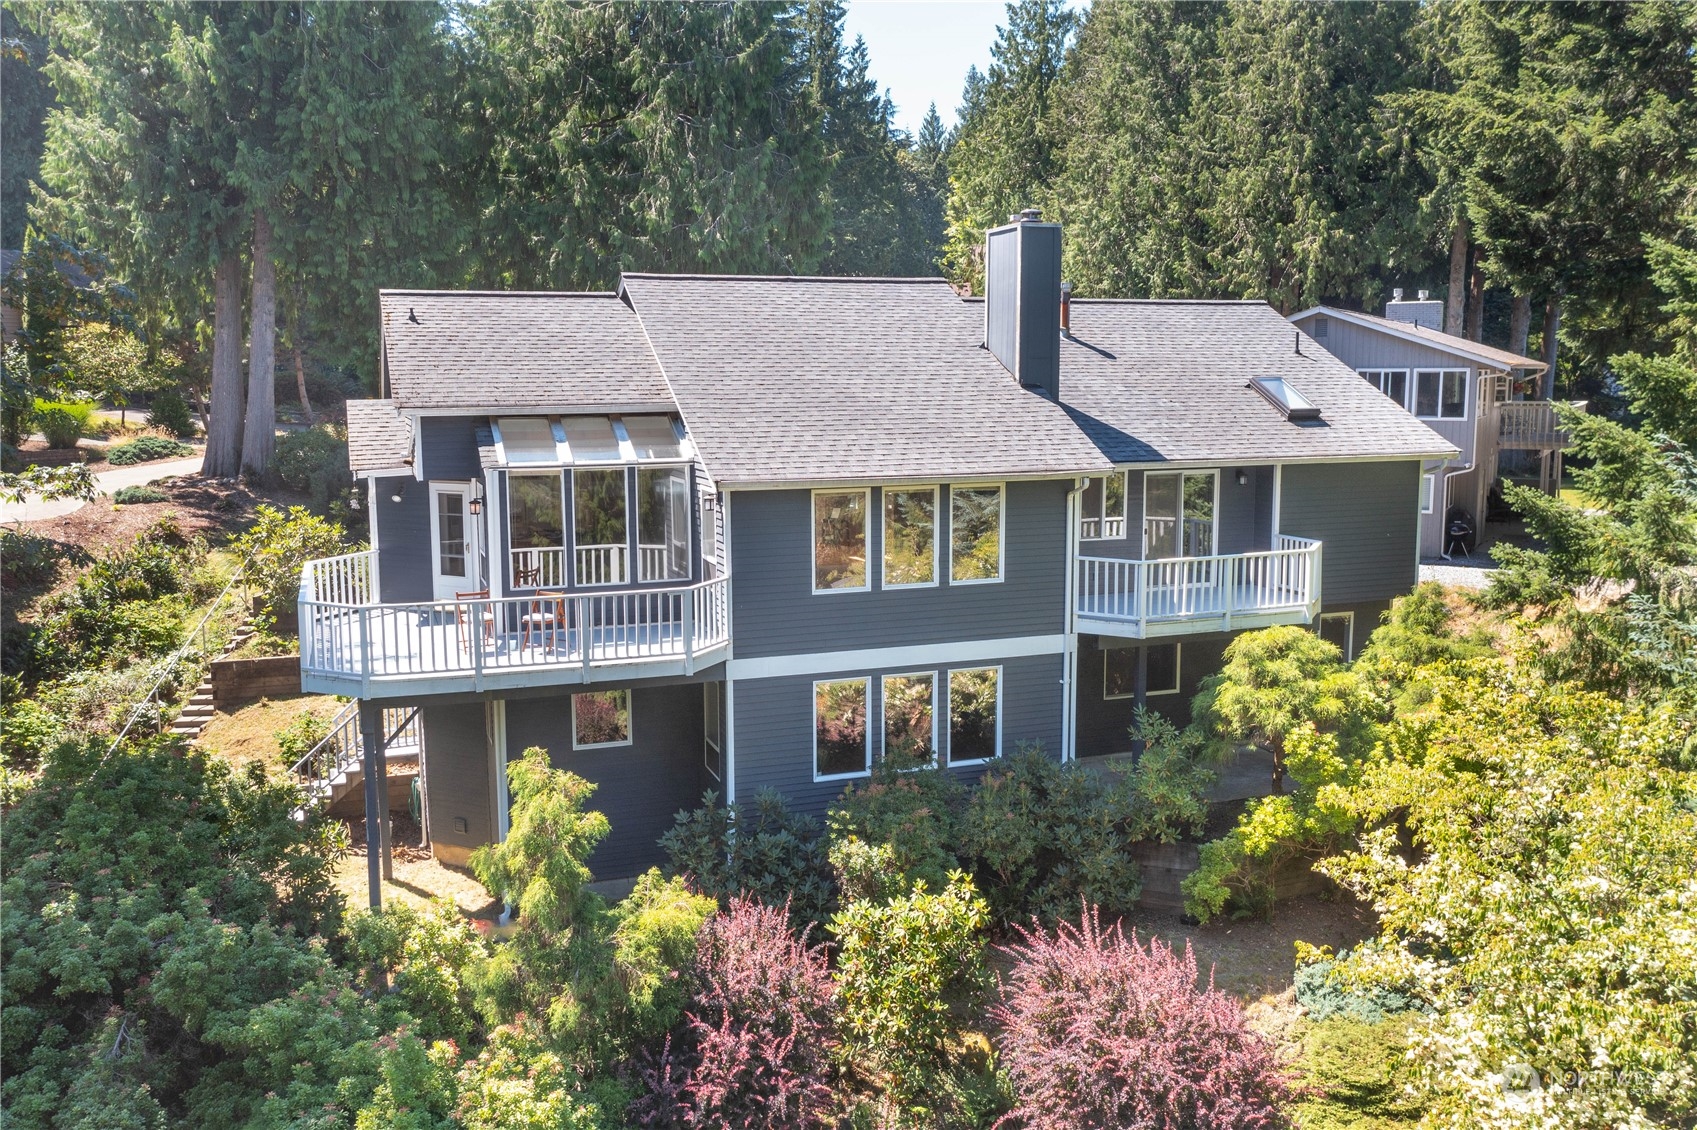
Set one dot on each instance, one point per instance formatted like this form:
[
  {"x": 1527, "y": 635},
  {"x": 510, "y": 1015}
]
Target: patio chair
[
  {"x": 464, "y": 612},
  {"x": 546, "y": 616}
]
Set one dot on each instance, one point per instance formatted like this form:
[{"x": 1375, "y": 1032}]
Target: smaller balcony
[
  {"x": 1186, "y": 595},
  {"x": 353, "y": 645},
  {"x": 1529, "y": 425}
]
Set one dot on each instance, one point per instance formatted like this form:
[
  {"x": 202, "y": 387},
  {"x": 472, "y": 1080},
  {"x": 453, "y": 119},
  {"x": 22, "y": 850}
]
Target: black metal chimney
[{"x": 1022, "y": 300}]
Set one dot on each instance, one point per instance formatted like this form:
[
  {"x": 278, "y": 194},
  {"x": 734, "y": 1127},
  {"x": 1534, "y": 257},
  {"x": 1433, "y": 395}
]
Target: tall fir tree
[{"x": 26, "y": 96}]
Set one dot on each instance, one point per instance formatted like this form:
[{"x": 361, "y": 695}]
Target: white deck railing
[
  {"x": 1098, "y": 529},
  {"x": 538, "y": 568},
  {"x": 602, "y": 565},
  {"x": 363, "y": 640},
  {"x": 1530, "y": 424},
  {"x": 1217, "y": 588}
]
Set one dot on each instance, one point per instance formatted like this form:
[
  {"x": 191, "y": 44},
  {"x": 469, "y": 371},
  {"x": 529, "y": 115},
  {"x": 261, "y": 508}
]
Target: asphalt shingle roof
[
  {"x": 1437, "y": 339},
  {"x": 490, "y": 352},
  {"x": 379, "y": 437},
  {"x": 807, "y": 379},
  {"x": 1167, "y": 381}
]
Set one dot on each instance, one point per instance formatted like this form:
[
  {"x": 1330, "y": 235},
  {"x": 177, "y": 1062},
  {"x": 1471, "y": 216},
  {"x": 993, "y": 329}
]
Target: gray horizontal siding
[
  {"x": 1367, "y": 515},
  {"x": 773, "y": 725},
  {"x": 776, "y": 612},
  {"x": 640, "y": 787},
  {"x": 1363, "y": 348},
  {"x": 402, "y": 534},
  {"x": 1104, "y": 724},
  {"x": 458, "y": 774},
  {"x": 448, "y": 447}
]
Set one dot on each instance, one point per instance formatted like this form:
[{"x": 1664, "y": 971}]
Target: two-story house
[
  {"x": 745, "y": 533},
  {"x": 1480, "y": 398}
]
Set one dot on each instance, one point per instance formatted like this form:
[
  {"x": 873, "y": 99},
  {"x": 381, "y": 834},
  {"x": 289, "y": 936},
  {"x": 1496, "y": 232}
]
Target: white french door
[{"x": 453, "y": 541}]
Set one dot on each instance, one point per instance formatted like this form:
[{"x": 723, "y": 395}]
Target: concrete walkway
[{"x": 106, "y": 482}]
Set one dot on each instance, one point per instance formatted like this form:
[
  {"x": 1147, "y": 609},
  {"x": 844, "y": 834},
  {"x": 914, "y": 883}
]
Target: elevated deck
[{"x": 1187, "y": 595}]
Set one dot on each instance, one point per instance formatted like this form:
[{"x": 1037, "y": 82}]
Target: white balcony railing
[
  {"x": 1529, "y": 424},
  {"x": 602, "y": 565},
  {"x": 538, "y": 568},
  {"x": 1099, "y": 529},
  {"x": 355, "y": 639},
  {"x": 1209, "y": 591}
]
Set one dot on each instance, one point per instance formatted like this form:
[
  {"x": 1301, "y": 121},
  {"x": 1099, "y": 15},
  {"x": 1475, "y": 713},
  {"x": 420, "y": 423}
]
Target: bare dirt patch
[
  {"x": 249, "y": 733},
  {"x": 419, "y": 878},
  {"x": 200, "y": 506}
]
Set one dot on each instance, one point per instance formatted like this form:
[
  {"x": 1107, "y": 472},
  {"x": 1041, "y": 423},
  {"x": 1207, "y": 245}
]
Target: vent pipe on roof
[{"x": 1022, "y": 300}]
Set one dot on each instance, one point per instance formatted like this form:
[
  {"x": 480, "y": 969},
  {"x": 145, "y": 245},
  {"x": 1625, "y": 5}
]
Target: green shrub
[
  {"x": 136, "y": 495},
  {"x": 28, "y": 730},
  {"x": 145, "y": 449},
  {"x": 17, "y": 401},
  {"x": 424, "y": 953},
  {"x": 277, "y": 545},
  {"x": 913, "y": 811},
  {"x": 313, "y": 461},
  {"x": 170, "y": 410},
  {"x": 298, "y": 738},
  {"x": 1325, "y": 993},
  {"x": 58, "y": 427},
  {"x": 1042, "y": 836},
  {"x": 760, "y": 849},
  {"x": 902, "y": 967},
  {"x": 1356, "y": 1075},
  {"x": 27, "y": 559}
]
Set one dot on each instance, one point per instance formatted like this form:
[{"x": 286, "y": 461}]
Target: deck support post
[
  {"x": 377, "y": 861},
  {"x": 1140, "y": 692}
]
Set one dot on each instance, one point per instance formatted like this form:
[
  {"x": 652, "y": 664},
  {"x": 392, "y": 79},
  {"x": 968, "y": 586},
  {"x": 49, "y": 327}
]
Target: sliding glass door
[{"x": 1178, "y": 514}]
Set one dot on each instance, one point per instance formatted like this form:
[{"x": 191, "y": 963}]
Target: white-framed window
[
  {"x": 975, "y": 534},
  {"x": 842, "y": 743},
  {"x": 910, "y": 717},
  {"x": 1428, "y": 491},
  {"x": 1178, "y": 513},
  {"x": 536, "y": 528},
  {"x": 713, "y": 727},
  {"x": 1338, "y": 628},
  {"x": 1101, "y": 515},
  {"x": 662, "y": 523},
  {"x": 1392, "y": 382},
  {"x": 1119, "y": 670},
  {"x": 975, "y": 715},
  {"x": 1440, "y": 394},
  {"x": 839, "y": 540},
  {"x": 910, "y": 537},
  {"x": 601, "y": 719}
]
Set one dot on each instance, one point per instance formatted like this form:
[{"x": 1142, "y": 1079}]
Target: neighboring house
[
  {"x": 740, "y": 533},
  {"x": 1474, "y": 395}
]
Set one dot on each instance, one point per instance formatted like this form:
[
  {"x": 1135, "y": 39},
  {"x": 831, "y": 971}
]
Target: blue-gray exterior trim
[
  {"x": 448, "y": 448},
  {"x": 401, "y": 532},
  {"x": 776, "y": 612}
]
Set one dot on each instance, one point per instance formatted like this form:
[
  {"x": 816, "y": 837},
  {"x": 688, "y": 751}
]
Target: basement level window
[{"x": 1284, "y": 396}]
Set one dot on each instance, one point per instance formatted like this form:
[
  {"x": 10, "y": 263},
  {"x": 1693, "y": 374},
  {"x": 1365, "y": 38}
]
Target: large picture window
[
  {"x": 975, "y": 715},
  {"x": 662, "y": 523},
  {"x": 910, "y": 536},
  {"x": 975, "y": 534},
  {"x": 600, "y": 718},
  {"x": 839, "y": 540},
  {"x": 536, "y": 528},
  {"x": 598, "y": 508},
  {"x": 1440, "y": 394},
  {"x": 840, "y": 740},
  {"x": 910, "y": 719},
  {"x": 1102, "y": 512},
  {"x": 1178, "y": 514}
]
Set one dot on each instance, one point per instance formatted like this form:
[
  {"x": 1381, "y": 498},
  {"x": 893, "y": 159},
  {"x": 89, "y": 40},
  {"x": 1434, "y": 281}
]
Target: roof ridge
[
  {"x": 790, "y": 278},
  {"x": 1169, "y": 302},
  {"x": 501, "y": 293}
]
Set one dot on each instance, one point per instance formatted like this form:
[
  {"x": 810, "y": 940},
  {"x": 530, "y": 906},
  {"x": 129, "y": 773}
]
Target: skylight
[
  {"x": 653, "y": 437},
  {"x": 592, "y": 439},
  {"x": 1284, "y": 396},
  {"x": 527, "y": 439}
]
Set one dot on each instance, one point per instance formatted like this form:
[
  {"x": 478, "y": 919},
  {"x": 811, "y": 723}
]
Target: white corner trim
[{"x": 894, "y": 658}]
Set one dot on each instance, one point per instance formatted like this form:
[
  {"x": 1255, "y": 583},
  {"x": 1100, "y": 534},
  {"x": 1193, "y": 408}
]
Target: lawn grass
[{"x": 249, "y": 733}]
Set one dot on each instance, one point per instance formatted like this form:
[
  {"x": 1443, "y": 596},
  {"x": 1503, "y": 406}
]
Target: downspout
[
  {"x": 1069, "y": 662},
  {"x": 1443, "y": 514}
]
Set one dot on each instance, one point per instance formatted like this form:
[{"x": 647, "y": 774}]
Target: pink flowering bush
[
  {"x": 1099, "y": 1031},
  {"x": 755, "y": 1047}
]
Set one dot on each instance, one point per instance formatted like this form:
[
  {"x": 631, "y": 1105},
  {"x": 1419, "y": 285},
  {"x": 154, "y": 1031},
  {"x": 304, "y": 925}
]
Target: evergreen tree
[
  {"x": 25, "y": 98},
  {"x": 1004, "y": 155}
]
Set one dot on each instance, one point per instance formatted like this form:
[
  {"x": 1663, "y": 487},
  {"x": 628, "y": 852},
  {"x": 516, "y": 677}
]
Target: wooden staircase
[
  {"x": 198, "y": 711},
  {"x": 335, "y": 767}
]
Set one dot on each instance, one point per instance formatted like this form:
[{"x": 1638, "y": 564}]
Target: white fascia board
[
  {"x": 907, "y": 480},
  {"x": 896, "y": 658},
  {"x": 1270, "y": 460}
]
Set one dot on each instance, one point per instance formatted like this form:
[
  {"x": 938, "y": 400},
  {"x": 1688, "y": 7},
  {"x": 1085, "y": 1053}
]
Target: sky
[{"x": 920, "y": 51}]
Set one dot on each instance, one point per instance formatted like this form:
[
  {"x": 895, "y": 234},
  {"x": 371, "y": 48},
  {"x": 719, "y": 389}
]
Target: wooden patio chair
[
  {"x": 546, "y": 616},
  {"x": 464, "y": 612}
]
